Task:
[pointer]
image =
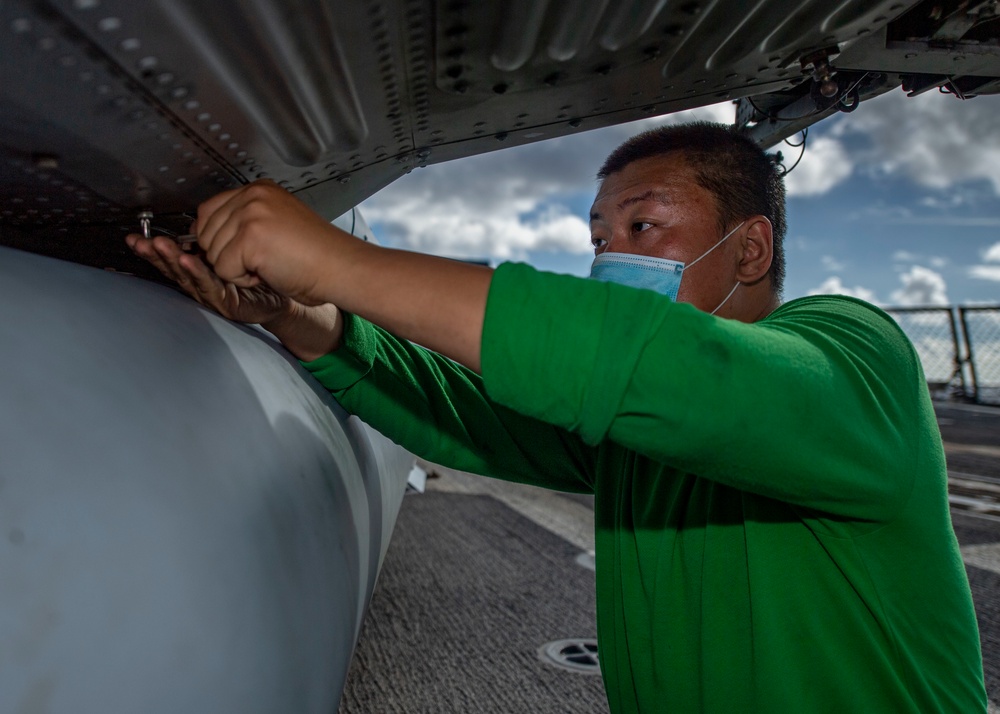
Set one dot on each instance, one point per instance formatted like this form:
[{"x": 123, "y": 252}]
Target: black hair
[{"x": 744, "y": 180}]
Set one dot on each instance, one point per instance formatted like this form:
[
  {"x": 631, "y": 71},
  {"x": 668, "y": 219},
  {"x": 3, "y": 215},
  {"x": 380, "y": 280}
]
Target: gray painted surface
[
  {"x": 109, "y": 108},
  {"x": 187, "y": 522}
]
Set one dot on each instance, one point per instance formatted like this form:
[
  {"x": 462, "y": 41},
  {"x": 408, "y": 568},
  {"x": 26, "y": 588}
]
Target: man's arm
[
  {"x": 439, "y": 409},
  {"x": 308, "y": 332},
  {"x": 822, "y": 405},
  {"x": 261, "y": 234},
  {"x": 429, "y": 404}
]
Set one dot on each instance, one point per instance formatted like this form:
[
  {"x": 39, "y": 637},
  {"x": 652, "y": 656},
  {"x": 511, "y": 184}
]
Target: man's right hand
[{"x": 307, "y": 332}]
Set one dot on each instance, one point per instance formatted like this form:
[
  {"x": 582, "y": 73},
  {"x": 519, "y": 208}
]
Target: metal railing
[
  {"x": 981, "y": 327},
  {"x": 959, "y": 348}
]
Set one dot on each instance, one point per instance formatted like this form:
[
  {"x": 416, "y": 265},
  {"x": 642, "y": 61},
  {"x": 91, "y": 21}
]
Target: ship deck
[{"x": 480, "y": 574}]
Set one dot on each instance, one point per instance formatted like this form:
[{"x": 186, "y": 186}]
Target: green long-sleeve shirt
[{"x": 772, "y": 524}]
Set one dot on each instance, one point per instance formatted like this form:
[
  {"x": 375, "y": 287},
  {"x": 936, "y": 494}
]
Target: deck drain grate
[{"x": 574, "y": 655}]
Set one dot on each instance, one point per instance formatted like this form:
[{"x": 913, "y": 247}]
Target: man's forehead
[
  {"x": 662, "y": 180},
  {"x": 644, "y": 191}
]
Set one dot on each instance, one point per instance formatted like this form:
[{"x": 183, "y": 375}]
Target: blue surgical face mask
[{"x": 641, "y": 271}]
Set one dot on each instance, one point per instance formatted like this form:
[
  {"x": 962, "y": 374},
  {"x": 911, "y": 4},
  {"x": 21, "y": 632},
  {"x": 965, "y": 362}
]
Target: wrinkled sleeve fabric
[
  {"x": 439, "y": 410},
  {"x": 809, "y": 406}
]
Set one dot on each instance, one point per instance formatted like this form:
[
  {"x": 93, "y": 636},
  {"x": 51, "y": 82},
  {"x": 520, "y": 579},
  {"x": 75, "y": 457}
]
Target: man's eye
[
  {"x": 598, "y": 242},
  {"x": 640, "y": 226}
]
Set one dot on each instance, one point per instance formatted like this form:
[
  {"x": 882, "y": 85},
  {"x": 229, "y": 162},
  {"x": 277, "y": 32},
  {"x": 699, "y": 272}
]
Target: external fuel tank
[{"x": 188, "y": 521}]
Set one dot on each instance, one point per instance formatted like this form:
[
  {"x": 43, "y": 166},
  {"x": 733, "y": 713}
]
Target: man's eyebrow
[{"x": 650, "y": 195}]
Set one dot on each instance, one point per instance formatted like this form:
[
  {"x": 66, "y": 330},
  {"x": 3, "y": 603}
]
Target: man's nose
[{"x": 617, "y": 242}]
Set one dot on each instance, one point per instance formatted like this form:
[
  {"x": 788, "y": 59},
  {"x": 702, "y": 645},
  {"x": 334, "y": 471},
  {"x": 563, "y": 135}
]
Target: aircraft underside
[{"x": 109, "y": 108}]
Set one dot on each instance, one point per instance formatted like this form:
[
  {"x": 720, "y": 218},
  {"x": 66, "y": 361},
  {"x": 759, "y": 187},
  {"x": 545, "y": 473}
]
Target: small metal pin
[{"x": 144, "y": 218}]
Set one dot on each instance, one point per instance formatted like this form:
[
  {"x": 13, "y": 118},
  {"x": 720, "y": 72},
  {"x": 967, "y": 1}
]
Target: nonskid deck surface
[
  {"x": 481, "y": 573},
  {"x": 469, "y": 590}
]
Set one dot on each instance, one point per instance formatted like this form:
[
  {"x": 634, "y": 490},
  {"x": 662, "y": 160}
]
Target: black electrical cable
[
  {"x": 813, "y": 113},
  {"x": 805, "y": 135}
]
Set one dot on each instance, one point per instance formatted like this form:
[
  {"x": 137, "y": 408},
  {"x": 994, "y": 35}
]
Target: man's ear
[{"x": 758, "y": 250}]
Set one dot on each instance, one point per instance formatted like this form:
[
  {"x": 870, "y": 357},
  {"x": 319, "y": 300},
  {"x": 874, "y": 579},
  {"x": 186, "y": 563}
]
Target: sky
[{"x": 897, "y": 203}]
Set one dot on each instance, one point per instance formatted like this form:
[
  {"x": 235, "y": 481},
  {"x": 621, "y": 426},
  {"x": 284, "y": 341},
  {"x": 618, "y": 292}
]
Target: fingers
[
  {"x": 167, "y": 257},
  {"x": 209, "y": 289},
  {"x": 232, "y": 235},
  {"x": 146, "y": 248},
  {"x": 260, "y": 233},
  {"x": 198, "y": 279},
  {"x": 230, "y": 264},
  {"x": 209, "y": 208},
  {"x": 220, "y": 217},
  {"x": 218, "y": 229},
  {"x": 168, "y": 253},
  {"x": 213, "y": 204}
]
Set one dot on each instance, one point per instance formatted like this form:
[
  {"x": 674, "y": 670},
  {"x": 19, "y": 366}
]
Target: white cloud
[
  {"x": 507, "y": 203},
  {"x": 497, "y": 205},
  {"x": 950, "y": 201},
  {"x": 799, "y": 243},
  {"x": 985, "y": 272},
  {"x": 934, "y": 139},
  {"x": 824, "y": 165},
  {"x": 722, "y": 113},
  {"x": 905, "y": 256},
  {"x": 832, "y": 264},
  {"x": 881, "y": 212},
  {"x": 988, "y": 272},
  {"x": 834, "y": 286},
  {"x": 449, "y": 226},
  {"x": 921, "y": 286}
]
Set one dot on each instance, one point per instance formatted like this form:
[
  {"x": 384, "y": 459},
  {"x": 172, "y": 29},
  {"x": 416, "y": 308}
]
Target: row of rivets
[
  {"x": 127, "y": 106},
  {"x": 147, "y": 66}
]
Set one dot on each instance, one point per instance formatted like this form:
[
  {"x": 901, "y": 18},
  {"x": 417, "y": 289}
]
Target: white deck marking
[
  {"x": 984, "y": 555},
  {"x": 566, "y": 518},
  {"x": 951, "y": 447}
]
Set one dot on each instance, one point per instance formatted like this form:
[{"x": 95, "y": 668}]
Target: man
[{"x": 772, "y": 524}]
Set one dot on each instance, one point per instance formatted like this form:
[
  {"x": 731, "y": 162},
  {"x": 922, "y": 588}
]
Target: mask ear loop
[
  {"x": 719, "y": 307},
  {"x": 714, "y": 246},
  {"x": 726, "y": 299}
]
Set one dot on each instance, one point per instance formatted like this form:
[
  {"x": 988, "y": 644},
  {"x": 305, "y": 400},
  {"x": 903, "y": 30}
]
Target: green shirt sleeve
[
  {"x": 811, "y": 406},
  {"x": 440, "y": 411}
]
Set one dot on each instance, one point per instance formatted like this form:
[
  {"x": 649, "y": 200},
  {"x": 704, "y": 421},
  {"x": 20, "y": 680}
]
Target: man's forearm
[
  {"x": 435, "y": 302},
  {"x": 308, "y": 332}
]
